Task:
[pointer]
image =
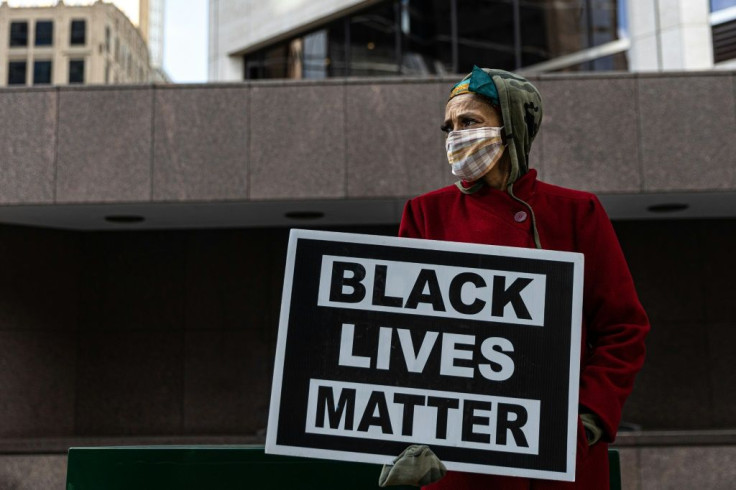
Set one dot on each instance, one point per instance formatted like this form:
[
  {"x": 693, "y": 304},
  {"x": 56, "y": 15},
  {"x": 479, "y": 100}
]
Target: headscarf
[{"x": 520, "y": 105}]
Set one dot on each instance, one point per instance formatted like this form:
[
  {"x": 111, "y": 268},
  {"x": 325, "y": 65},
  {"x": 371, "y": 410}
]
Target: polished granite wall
[{"x": 350, "y": 139}]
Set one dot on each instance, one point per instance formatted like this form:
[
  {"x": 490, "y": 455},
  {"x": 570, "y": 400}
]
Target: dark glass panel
[
  {"x": 76, "y": 71},
  {"x": 485, "y": 34},
  {"x": 18, "y": 34},
  {"x": 41, "y": 72},
  {"x": 426, "y": 37},
  {"x": 78, "y": 32},
  {"x": 17, "y": 73},
  {"x": 373, "y": 41},
  {"x": 550, "y": 29},
  {"x": 616, "y": 62},
  {"x": 44, "y": 33}
]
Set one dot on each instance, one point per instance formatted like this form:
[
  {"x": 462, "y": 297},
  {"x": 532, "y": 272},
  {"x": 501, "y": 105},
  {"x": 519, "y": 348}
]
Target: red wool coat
[{"x": 614, "y": 322}]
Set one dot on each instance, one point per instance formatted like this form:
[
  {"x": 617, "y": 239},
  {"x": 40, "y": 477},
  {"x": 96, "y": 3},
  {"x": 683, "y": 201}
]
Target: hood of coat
[{"x": 521, "y": 111}]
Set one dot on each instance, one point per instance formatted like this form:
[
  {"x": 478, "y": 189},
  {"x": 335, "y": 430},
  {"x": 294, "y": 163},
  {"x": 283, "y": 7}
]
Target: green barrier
[
  {"x": 223, "y": 468},
  {"x": 614, "y": 469},
  {"x": 210, "y": 467}
]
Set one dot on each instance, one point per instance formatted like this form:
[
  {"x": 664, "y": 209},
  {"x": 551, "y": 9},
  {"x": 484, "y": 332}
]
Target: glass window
[
  {"x": 76, "y": 71},
  {"x": 41, "y": 72},
  {"x": 44, "y": 33},
  {"x": 373, "y": 36},
  {"x": 552, "y": 29},
  {"x": 426, "y": 27},
  {"x": 716, "y": 5},
  {"x": 485, "y": 34},
  {"x": 107, "y": 39},
  {"x": 314, "y": 54},
  {"x": 18, "y": 34},
  {"x": 17, "y": 73},
  {"x": 78, "y": 32}
]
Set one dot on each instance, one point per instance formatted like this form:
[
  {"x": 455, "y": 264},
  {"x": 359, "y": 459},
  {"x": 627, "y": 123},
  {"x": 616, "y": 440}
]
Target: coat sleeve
[
  {"x": 411, "y": 222},
  {"x": 616, "y": 324}
]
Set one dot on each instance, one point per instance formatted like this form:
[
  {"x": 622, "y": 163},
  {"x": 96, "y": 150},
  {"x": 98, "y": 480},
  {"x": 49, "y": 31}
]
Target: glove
[
  {"x": 592, "y": 425},
  {"x": 417, "y": 465}
]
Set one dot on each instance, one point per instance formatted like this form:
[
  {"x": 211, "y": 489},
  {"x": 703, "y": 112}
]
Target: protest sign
[{"x": 471, "y": 349}]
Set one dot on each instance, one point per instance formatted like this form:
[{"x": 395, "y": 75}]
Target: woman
[{"x": 491, "y": 119}]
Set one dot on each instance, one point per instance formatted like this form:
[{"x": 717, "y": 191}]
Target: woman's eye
[{"x": 469, "y": 122}]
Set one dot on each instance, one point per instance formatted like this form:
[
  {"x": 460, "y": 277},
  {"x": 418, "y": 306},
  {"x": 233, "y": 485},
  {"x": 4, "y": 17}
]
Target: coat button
[{"x": 520, "y": 216}]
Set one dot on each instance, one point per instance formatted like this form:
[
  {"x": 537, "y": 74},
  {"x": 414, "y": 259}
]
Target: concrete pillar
[{"x": 669, "y": 35}]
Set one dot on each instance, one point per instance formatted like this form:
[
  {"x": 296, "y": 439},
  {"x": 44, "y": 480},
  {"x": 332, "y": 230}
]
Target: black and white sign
[{"x": 472, "y": 349}]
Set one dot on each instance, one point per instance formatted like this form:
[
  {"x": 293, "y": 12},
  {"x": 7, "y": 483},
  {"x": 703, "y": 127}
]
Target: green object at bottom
[
  {"x": 614, "y": 469},
  {"x": 210, "y": 467}
]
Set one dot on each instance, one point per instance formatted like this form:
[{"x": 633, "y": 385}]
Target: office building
[
  {"x": 68, "y": 44},
  {"x": 328, "y": 38}
]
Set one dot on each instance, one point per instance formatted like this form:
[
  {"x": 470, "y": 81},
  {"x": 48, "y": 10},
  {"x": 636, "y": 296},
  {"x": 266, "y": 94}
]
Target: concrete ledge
[
  {"x": 676, "y": 438},
  {"x": 609, "y": 133}
]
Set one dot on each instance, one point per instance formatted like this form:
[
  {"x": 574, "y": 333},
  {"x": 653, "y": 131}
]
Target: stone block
[
  {"x": 33, "y": 471},
  {"x": 130, "y": 383},
  {"x": 630, "y": 469},
  {"x": 297, "y": 141},
  {"x": 589, "y": 134},
  {"x": 227, "y": 382},
  {"x": 687, "y": 145},
  {"x": 39, "y": 283},
  {"x": 133, "y": 281},
  {"x": 394, "y": 144},
  {"x": 104, "y": 150},
  {"x": 234, "y": 279},
  {"x": 201, "y": 144},
  {"x": 28, "y": 133},
  {"x": 672, "y": 390},
  {"x": 37, "y": 379},
  {"x": 721, "y": 339},
  {"x": 718, "y": 241},
  {"x": 666, "y": 261},
  {"x": 676, "y": 468}
]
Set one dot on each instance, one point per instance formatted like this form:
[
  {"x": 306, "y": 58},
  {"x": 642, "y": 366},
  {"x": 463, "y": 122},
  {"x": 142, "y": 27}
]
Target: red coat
[{"x": 614, "y": 322}]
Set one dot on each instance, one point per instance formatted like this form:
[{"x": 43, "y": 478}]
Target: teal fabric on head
[
  {"x": 482, "y": 83},
  {"x": 478, "y": 82}
]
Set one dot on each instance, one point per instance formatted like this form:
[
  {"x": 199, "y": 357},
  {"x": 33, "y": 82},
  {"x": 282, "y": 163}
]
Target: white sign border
[{"x": 577, "y": 259}]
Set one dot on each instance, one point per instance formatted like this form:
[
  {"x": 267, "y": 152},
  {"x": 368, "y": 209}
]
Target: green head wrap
[{"x": 520, "y": 105}]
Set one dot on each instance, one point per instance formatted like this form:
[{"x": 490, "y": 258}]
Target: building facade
[
  {"x": 336, "y": 38},
  {"x": 64, "y": 44},
  {"x": 151, "y": 25}
]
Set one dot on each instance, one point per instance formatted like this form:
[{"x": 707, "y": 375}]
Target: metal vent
[{"x": 724, "y": 41}]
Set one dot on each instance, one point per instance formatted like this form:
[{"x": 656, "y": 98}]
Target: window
[
  {"x": 107, "y": 39},
  {"x": 44, "y": 33},
  {"x": 18, "y": 34},
  {"x": 41, "y": 72},
  {"x": 76, "y": 71},
  {"x": 78, "y": 33},
  {"x": 716, "y": 5},
  {"x": 17, "y": 73}
]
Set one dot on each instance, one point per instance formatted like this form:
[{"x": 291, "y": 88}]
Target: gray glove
[
  {"x": 417, "y": 465},
  {"x": 592, "y": 425}
]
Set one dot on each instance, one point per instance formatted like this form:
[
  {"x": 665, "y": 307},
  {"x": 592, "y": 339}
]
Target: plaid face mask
[{"x": 473, "y": 152}]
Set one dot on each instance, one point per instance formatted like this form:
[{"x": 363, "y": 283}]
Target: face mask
[{"x": 474, "y": 152}]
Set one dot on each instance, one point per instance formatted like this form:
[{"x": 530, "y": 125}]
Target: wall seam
[
  {"x": 639, "y": 133},
  {"x": 152, "y": 148},
  {"x": 55, "y": 183},
  {"x": 346, "y": 182},
  {"x": 249, "y": 139}
]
